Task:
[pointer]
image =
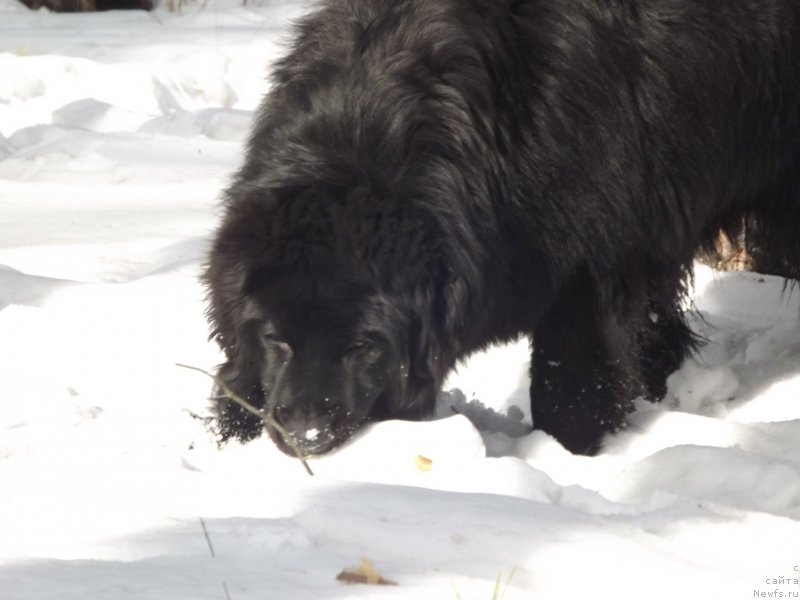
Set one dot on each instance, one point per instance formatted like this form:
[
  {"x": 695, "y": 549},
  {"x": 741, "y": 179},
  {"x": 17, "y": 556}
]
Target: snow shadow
[
  {"x": 426, "y": 541},
  {"x": 126, "y": 264},
  {"x": 296, "y": 558},
  {"x": 751, "y": 327},
  {"x": 486, "y": 419},
  {"x": 236, "y": 558},
  {"x": 177, "y": 256},
  {"x": 27, "y": 290}
]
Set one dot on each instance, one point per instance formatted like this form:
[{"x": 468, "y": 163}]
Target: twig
[
  {"x": 208, "y": 538},
  {"x": 213, "y": 554},
  {"x": 264, "y": 416}
]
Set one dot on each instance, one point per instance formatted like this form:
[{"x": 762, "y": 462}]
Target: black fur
[{"x": 429, "y": 176}]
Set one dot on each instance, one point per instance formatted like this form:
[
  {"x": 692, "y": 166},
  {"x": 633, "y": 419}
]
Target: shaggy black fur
[{"x": 429, "y": 176}]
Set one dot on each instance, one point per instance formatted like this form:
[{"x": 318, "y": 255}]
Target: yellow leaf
[
  {"x": 363, "y": 573},
  {"x": 423, "y": 463}
]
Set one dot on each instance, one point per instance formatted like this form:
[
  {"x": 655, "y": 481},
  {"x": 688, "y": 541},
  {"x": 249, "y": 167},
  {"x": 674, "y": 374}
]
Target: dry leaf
[
  {"x": 364, "y": 573},
  {"x": 423, "y": 463}
]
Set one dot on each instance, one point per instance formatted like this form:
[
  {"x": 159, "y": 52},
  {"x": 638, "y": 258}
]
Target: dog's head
[
  {"x": 333, "y": 353},
  {"x": 322, "y": 332}
]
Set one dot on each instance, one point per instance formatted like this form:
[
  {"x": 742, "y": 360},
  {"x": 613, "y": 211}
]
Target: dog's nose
[
  {"x": 309, "y": 433},
  {"x": 306, "y": 422}
]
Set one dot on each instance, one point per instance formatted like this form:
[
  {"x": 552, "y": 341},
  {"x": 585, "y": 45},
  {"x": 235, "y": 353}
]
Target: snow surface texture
[{"x": 117, "y": 132}]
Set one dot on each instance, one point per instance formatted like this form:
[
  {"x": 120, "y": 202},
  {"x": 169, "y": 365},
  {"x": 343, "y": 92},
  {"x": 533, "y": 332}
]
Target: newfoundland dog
[{"x": 426, "y": 177}]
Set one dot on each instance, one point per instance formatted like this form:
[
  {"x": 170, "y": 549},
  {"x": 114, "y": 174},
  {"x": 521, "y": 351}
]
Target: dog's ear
[
  {"x": 233, "y": 420},
  {"x": 229, "y": 312},
  {"x": 440, "y": 321},
  {"x": 241, "y": 375},
  {"x": 441, "y": 312}
]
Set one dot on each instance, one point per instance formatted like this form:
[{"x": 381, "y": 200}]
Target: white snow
[{"x": 117, "y": 133}]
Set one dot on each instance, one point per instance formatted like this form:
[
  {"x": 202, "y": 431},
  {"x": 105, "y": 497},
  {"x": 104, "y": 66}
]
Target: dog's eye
[
  {"x": 359, "y": 347},
  {"x": 364, "y": 350}
]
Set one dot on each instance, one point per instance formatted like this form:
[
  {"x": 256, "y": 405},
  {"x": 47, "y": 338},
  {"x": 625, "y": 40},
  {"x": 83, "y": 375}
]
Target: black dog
[{"x": 426, "y": 177}]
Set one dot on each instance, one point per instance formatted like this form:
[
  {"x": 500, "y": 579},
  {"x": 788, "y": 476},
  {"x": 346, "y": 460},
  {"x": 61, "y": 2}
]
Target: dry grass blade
[
  {"x": 264, "y": 416},
  {"x": 499, "y": 587}
]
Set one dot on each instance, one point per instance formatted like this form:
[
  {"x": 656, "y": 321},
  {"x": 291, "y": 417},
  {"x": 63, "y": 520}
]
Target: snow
[{"x": 117, "y": 133}]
